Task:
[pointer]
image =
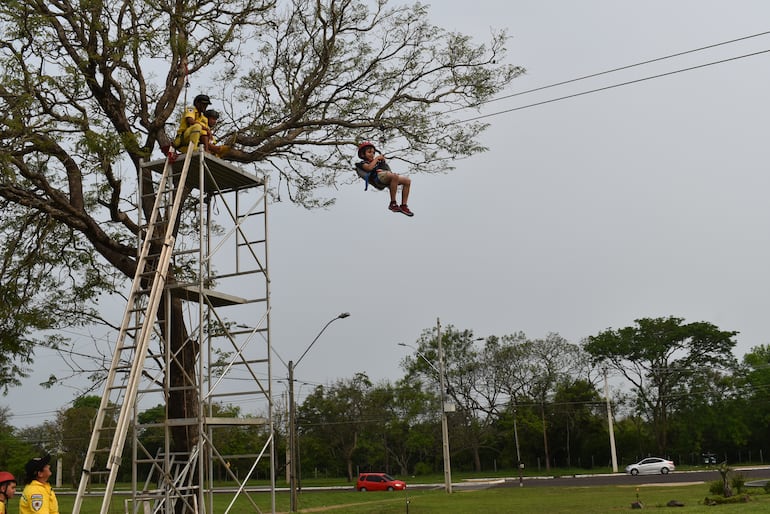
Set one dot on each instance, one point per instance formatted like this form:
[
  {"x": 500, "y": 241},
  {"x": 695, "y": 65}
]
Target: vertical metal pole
[
  {"x": 610, "y": 424},
  {"x": 292, "y": 439},
  {"x": 269, "y": 345},
  {"x": 288, "y": 437},
  {"x": 293, "y": 451},
  {"x": 444, "y": 427},
  {"x": 516, "y": 438},
  {"x": 205, "y": 462}
]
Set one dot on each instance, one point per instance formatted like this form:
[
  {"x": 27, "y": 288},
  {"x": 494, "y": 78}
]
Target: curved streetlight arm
[
  {"x": 340, "y": 316},
  {"x": 422, "y": 355},
  {"x": 427, "y": 361}
]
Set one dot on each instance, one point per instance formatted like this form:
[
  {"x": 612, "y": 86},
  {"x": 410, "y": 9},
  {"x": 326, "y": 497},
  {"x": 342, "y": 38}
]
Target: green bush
[
  {"x": 717, "y": 487},
  {"x": 738, "y": 482},
  {"x": 721, "y": 500}
]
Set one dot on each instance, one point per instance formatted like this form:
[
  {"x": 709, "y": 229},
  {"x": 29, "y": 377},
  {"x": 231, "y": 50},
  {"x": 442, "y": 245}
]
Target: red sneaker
[
  {"x": 406, "y": 210},
  {"x": 394, "y": 207}
]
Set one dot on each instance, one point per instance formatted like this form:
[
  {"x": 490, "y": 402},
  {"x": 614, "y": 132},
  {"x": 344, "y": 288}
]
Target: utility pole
[
  {"x": 442, "y": 384},
  {"x": 444, "y": 426},
  {"x": 292, "y": 442},
  {"x": 611, "y": 424},
  {"x": 516, "y": 438}
]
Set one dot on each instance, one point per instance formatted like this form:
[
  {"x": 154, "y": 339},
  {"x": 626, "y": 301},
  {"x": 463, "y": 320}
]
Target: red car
[{"x": 378, "y": 482}]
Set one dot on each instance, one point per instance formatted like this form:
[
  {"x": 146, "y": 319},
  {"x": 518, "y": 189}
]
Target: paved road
[
  {"x": 761, "y": 474},
  {"x": 751, "y": 474}
]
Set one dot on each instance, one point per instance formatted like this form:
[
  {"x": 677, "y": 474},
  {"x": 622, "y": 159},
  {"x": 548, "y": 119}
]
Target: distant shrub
[
  {"x": 716, "y": 487},
  {"x": 738, "y": 482},
  {"x": 721, "y": 500},
  {"x": 422, "y": 468}
]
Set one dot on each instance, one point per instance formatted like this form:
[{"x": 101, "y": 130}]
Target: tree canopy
[
  {"x": 660, "y": 357},
  {"x": 91, "y": 88}
]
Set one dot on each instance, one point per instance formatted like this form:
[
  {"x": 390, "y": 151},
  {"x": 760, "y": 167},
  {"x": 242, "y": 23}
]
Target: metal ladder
[{"x": 139, "y": 321}]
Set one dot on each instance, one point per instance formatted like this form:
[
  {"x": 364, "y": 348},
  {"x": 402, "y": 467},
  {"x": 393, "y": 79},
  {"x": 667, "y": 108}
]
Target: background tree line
[{"x": 676, "y": 391}]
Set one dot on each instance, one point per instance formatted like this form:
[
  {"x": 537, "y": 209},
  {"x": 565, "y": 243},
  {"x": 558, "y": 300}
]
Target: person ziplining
[{"x": 375, "y": 171}]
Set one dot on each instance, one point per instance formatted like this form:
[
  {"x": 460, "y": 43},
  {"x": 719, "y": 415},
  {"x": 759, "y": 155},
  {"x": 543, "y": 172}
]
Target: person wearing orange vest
[{"x": 38, "y": 496}]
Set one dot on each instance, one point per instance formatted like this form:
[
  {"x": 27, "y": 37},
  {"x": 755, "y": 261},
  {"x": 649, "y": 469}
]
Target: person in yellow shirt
[
  {"x": 38, "y": 496},
  {"x": 7, "y": 489},
  {"x": 193, "y": 125}
]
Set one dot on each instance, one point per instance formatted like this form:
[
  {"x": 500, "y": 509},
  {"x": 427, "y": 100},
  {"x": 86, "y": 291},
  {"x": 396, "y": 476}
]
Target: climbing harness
[{"x": 370, "y": 177}]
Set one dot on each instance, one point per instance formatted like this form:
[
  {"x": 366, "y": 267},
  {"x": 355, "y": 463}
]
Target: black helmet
[
  {"x": 202, "y": 99},
  {"x": 34, "y": 466},
  {"x": 211, "y": 113}
]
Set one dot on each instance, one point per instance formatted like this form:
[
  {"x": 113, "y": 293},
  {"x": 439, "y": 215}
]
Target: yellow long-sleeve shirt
[{"x": 38, "y": 498}]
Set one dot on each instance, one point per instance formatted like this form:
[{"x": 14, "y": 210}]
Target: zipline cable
[
  {"x": 605, "y": 88},
  {"x": 606, "y": 72}
]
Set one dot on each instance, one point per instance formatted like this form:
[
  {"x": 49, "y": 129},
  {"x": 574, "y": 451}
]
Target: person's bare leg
[
  {"x": 407, "y": 183},
  {"x": 393, "y": 186}
]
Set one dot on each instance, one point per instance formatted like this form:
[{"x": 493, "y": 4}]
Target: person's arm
[
  {"x": 189, "y": 116},
  {"x": 369, "y": 166}
]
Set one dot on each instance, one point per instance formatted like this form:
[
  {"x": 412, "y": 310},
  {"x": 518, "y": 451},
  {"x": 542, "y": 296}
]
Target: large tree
[
  {"x": 753, "y": 383},
  {"x": 89, "y": 88},
  {"x": 548, "y": 362},
  {"x": 76, "y": 423},
  {"x": 470, "y": 386},
  {"x": 578, "y": 419},
  {"x": 658, "y": 356},
  {"x": 338, "y": 415}
]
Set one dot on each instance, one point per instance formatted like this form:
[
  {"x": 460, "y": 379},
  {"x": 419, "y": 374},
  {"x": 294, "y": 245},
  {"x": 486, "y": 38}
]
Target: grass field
[{"x": 545, "y": 500}]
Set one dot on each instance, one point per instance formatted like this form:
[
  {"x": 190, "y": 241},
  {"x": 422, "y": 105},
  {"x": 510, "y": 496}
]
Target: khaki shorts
[
  {"x": 382, "y": 173},
  {"x": 383, "y": 177}
]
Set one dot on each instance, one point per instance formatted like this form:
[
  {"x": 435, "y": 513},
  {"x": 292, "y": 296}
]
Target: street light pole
[
  {"x": 442, "y": 399},
  {"x": 441, "y": 371},
  {"x": 293, "y": 418}
]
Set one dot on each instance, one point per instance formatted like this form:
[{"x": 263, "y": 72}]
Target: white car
[{"x": 651, "y": 466}]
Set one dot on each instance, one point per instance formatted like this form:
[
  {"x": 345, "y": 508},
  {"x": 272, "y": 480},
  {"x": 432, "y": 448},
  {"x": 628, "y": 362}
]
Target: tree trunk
[
  {"x": 476, "y": 458},
  {"x": 183, "y": 393},
  {"x": 545, "y": 439},
  {"x": 349, "y": 456}
]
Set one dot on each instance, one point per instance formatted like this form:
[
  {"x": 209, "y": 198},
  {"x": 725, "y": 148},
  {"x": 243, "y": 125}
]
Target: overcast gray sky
[{"x": 587, "y": 213}]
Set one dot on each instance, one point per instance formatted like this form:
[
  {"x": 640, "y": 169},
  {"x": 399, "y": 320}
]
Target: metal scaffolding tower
[{"x": 192, "y": 359}]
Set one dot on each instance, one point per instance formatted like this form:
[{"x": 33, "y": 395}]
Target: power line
[
  {"x": 606, "y": 72},
  {"x": 605, "y": 88}
]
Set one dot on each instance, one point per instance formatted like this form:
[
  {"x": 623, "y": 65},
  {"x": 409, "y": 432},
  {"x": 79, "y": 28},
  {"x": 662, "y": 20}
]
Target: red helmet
[
  {"x": 363, "y": 146},
  {"x": 6, "y": 477}
]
